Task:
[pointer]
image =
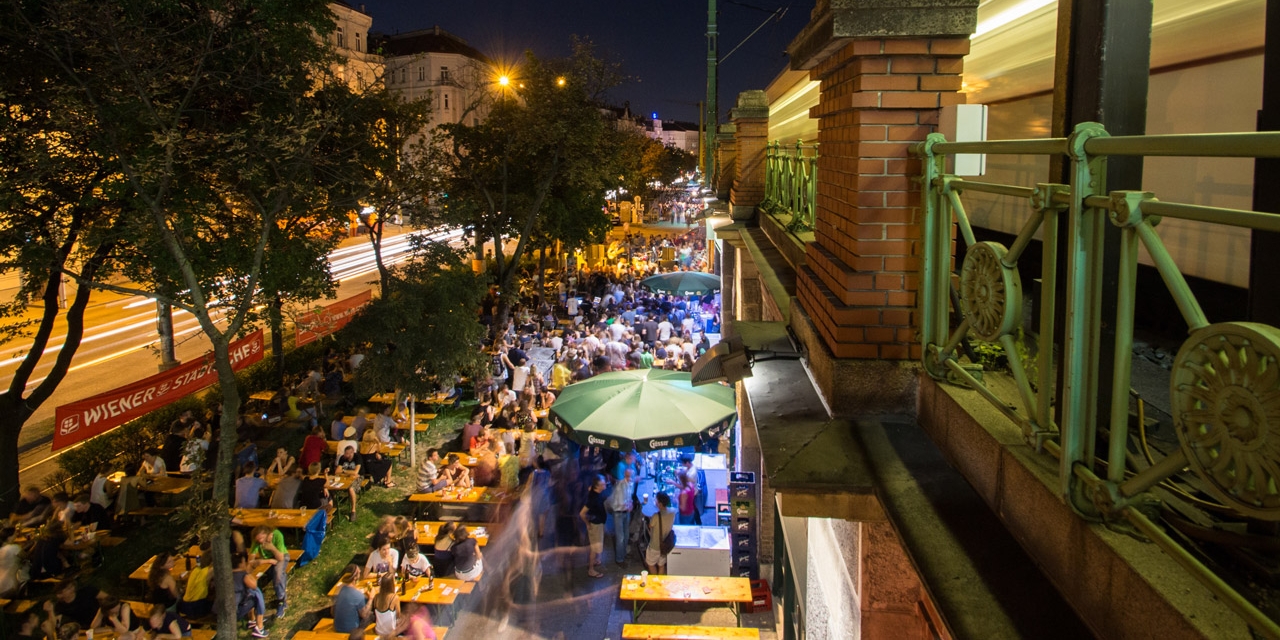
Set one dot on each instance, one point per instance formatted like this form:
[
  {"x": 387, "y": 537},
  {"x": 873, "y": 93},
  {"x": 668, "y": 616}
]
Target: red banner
[
  {"x": 318, "y": 324},
  {"x": 87, "y": 418}
]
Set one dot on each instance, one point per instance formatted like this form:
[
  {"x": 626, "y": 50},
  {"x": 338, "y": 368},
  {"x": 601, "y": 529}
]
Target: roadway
[{"x": 121, "y": 344}]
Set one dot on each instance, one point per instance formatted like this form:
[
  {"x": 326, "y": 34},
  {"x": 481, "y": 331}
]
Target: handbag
[{"x": 668, "y": 541}]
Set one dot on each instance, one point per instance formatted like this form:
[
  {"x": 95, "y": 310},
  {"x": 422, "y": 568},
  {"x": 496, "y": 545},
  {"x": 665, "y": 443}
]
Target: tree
[
  {"x": 398, "y": 165},
  {"x": 56, "y": 211},
  {"x": 220, "y": 119},
  {"x": 543, "y": 135},
  {"x": 424, "y": 328}
]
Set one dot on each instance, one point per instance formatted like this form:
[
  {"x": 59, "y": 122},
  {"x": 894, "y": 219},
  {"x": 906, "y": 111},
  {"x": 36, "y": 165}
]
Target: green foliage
[{"x": 424, "y": 327}]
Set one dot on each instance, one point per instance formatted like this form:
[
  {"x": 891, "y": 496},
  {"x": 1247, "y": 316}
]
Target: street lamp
[{"x": 504, "y": 80}]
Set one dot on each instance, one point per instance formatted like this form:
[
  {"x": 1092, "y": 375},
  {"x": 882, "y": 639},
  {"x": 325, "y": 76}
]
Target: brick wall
[{"x": 877, "y": 98}]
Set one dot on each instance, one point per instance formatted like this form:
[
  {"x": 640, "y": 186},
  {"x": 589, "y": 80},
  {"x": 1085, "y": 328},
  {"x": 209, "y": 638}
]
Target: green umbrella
[
  {"x": 683, "y": 283},
  {"x": 643, "y": 408}
]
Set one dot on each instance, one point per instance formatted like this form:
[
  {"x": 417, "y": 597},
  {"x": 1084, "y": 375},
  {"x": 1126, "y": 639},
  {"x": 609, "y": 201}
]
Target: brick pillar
[
  {"x": 726, "y": 159},
  {"x": 889, "y": 586},
  {"x": 751, "y": 121},
  {"x": 878, "y": 97}
]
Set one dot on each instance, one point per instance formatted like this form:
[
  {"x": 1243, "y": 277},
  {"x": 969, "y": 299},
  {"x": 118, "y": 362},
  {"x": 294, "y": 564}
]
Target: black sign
[{"x": 744, "y": 477}]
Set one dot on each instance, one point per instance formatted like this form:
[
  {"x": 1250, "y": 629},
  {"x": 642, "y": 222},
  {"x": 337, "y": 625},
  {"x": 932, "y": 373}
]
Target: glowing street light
[
  {"x": 504, "y": 80},
  {"x": 560, "y": 82}
]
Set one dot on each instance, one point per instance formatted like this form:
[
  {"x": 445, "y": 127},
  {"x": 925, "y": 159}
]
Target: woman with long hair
[{"x": 386, "y": 608}]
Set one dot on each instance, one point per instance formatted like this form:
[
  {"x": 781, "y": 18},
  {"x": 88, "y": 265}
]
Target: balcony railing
[
  {"x": 1225, "y": 391},
  {"x": 791, "y": 182}
]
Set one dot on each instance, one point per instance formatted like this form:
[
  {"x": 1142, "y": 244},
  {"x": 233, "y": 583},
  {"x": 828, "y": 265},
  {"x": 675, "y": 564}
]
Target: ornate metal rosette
[
  {"x": 1226, "y": 409},
  {"x": 990, "y": 292}
]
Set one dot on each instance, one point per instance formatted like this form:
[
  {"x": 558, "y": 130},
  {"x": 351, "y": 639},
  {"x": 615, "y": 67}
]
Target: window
[
  {"x": 422, "y": 74},
  {"x": 444, "y": 75},
  {"x": 342, "y": 38},
  {"x": 446, "y": 101},
  {"x": 404, "y": 71},
  {"x": 358, "y": 41}
]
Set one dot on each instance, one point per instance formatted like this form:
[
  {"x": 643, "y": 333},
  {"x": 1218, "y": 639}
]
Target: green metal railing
[
  {"x": 791, "y": 182},
  {"x": 1225, "y": 388}
]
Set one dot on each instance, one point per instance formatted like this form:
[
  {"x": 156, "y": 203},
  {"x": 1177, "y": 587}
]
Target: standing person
[
  {"x": 268, "y": 544},
  {"x": 655, "y": 561},
  {"x": 386, "y": 608},
  {"x": 312, "y": 448},
  {"x": 688, "y": 493},
  {"x": 620, "y": 505},
  {"x": 593, "y": 514},
  {"x": 351, "y": 606}
]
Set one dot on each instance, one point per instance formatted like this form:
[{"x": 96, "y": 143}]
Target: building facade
[
  {"x": 437, "y": 65},
  {"x": 350, "y": 37}
]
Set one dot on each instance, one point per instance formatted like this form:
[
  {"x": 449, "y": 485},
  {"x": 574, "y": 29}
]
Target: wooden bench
[
  {"x": 325, "y": 626},
  {"x": 141, "y": 514},
  {"x": 686, "y": 632}
]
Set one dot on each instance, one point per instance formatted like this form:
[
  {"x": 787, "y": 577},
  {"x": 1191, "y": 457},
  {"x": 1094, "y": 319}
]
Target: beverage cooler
[{"x": 700, "y": 551}]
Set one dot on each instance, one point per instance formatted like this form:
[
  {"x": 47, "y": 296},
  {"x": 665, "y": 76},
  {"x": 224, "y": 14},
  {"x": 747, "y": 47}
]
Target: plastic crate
[{"x": 761, "y": 597}]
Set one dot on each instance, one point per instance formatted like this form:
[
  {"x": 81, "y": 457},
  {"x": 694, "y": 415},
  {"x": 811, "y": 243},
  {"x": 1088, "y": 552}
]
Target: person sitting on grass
[
  {"x": 348, "y": 464},
  {"x": 250, "y": 604},
  {"x": 166, "y": 625},
  {"x": 351, "y": 606}
]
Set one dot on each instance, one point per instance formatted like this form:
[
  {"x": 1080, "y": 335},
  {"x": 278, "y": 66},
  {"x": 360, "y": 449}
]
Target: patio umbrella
[
  {"x": 643, "y": 408},
  {"x": 683, "y": 283}
]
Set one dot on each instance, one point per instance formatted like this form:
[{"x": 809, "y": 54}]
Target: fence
[
  {"x": 1225, "y": 390},
  {"x": 791, "y": 182}
]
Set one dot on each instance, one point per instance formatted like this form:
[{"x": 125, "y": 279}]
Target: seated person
[
  {"x": 285, "y": 495},
  {"x": 413, "y": 564},
  {"x": 467, "y": 560},
  {"x": 378, "y": 466},
  {"x": 348, "y": 440},
  {"x": 313, "y": 491},
  {"x": 74, "y": 604},
  {"x": 166, "y": 625},
  {"x": 429, "y": 477},
  {"x": 351, "y": 606},
  {"x": 153, "y": 465},
  {"x": 197, "y": 598},
  {"x": 459, "y": 477},
  {"x": 337, "y": 426},
  {"x": 293, "y": 413},
  {"x": 281, "y": 464},
  {"x": 383, "y": 558},
  {"x": 45, "y": 553},
  {"x": 13, "y": 567},
  {"x": 162, "y": 587},
  {"x": 115, "y": 615},
  {"x": 250, "y": 604},
  {"x": 249, "y": 487},
  {"x": 349, "y": 463},
  {"x": 485, "y": 473},
  {"x": 33, "y": 508}
]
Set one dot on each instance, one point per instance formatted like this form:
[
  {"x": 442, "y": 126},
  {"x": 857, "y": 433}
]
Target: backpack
[{"x": 668, "y": 541}]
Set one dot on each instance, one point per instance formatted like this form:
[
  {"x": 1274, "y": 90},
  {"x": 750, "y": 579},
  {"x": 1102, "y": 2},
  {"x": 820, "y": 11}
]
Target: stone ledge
[
  {"x": 1122, "y": 588},
  {"x": 842, "y": 20}
]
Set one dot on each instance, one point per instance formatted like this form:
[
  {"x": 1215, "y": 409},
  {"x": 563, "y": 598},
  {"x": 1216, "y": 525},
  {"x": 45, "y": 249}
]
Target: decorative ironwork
[
  {"x": 990, "y": 292},
  {"x": 791, "y": 182},
  {"x": 1225, "y": 389}
]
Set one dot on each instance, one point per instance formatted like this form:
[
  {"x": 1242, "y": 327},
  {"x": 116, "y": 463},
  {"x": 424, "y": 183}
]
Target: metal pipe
[
  {"x": 1122, "y": 365},
  {"x": 1019, "y": 374},
  {"x": 1048, "y": 284},
  {"x": 1154, "y": 474},
  {"x": 962, "y": 218},
  {"x": 992, "y": 187},
  {"x": 956, "y": 337},
  {"x": 1025, "y": 236},
  {"x": 1250, "y": 144},
  {"x": 1173, "y": 278},
  {"x": 1232, "y": 598},
  {"x": 986, "y": 393},
  {"x": 1217, "y": 215},
  {"x": 1037, "y": 147}
]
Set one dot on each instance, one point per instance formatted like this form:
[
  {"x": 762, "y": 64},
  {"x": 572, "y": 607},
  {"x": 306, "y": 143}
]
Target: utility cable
[{"x": 775, "y": 16}]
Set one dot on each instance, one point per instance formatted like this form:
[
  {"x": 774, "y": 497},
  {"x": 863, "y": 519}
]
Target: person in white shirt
[
  {"x": 664, "y": 330},
  {"x": 618, "y": 329},
  {"x": 383, "y": 558},
  {"x": 572, "y": 306},
  {"x": 557, "y": 343},
  {"x": 153, "y": 465},
  {"x": 101, "y": 489}
]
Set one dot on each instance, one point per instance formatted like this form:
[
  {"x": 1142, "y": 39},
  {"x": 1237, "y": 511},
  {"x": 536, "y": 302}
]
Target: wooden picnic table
[
  {"x": 264, "y": 396},
  {"x": 78, "y": 539},
  {"x": 474, "y": 495},
  {"x": 168, "y": 485},
  {"x": 687, "y": 632},
  {"x": 444, "y": 592},
  {"x": 181, "y": 565},
  {"x": 275, "y": 518},
  {"x": 383, "y": 398},
  {"x": 427, "y": 530},
  {"x": 733, "y": 592},
  {"x": 539, "y": 435},
  {"x": 333, "y": 483},
  {"x": 108, "y": 633},
  {"x": 323, "y": 631},
  {"x": 389, "y": 450}
]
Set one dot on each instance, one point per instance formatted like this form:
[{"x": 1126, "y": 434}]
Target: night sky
[{"x": 660, "y": 43}]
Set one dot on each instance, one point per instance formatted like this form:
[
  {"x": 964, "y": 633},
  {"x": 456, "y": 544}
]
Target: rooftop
[{"x": 433, "y": 40}]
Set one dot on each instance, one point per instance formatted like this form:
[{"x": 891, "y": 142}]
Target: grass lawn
[{"x": 308, "y": 585}]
